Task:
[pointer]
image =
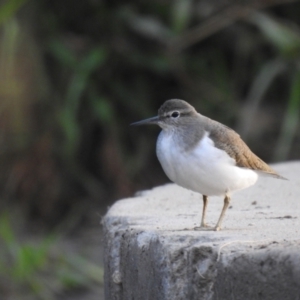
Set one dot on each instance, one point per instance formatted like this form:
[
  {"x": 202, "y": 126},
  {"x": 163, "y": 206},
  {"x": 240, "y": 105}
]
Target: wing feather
[{"x": 228, "y": 140}]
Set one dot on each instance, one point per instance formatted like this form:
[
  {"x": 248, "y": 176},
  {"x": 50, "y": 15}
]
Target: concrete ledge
[{"x": 152, "y": 251}]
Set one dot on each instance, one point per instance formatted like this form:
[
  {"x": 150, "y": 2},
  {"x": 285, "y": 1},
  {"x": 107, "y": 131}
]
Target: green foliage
[
  {"x": 27, "y": 266},
  {"x": 110, "y": 63},
  {"x": 290, "y": 123},
  {"x": 81, "y": 71},
  {"x": 9, "y": 9},
  {"x": 138, "y": 66},
  {"x": 279, "y": 33},
  {"x": 101, "y": 107},
  {"x": 180, "y": 15},
  {"x": 286, "y": 39}
]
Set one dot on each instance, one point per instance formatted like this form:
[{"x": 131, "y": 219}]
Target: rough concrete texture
[{"x": 152, "y": 251}]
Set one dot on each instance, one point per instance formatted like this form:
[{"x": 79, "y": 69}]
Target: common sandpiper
[{"x": 203, "y": 155}]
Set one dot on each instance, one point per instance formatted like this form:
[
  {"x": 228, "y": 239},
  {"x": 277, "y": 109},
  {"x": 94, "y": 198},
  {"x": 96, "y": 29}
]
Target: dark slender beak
[{"x": 153, "y": 120}]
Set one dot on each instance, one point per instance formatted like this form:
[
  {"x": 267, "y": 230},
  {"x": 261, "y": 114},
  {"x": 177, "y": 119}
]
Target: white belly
[{"x": 205, "y": 169}]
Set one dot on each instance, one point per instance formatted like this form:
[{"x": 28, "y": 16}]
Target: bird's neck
[{"x": 186, "y": 137}]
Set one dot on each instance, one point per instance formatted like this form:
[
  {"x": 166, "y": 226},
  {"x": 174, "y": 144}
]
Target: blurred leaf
[
  {"x": 146, "y": 26},
  {"x": 93, "y": 60},
  {"x": 290, "y": 123},
  {"x": 78, "y": 85},
  {"x": 31, "y": 258},
  {"x": 25, "y": 263},
  {"x": 69, "y": 278},
  {"x": 37, "y": 271},
  {"x": 8, "y": 236},
  {"x": 101, "y": 108},
  {"x": 79, "y": 81},
  {"x": 260, "y": 85},
  {"x": 284, "y": 37},
  {"x": 181, "y": 15},
  {"x": 9, "y": 9},
  {"x": 62, "y": 53},
  {"x": 70, "y": 129},
  {"x": 76, "y": 88},
  {"x": 88, "y": 269},
  {"x": 6, "y": 231}
]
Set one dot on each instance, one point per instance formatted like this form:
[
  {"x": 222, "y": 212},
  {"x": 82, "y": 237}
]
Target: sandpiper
[{"x": 203, "y": 155}]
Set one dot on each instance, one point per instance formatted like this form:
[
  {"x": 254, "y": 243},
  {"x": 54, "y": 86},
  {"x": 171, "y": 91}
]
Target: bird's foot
[
  {"x": 203, "y": 227},
  {"x": 207, "y": 228}
]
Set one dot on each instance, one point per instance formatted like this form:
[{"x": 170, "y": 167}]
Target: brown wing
[{"x": 228, "y": 140}]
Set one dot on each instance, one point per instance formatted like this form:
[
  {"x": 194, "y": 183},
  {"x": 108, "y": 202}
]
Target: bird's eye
[{"x": 175, "y": 114}]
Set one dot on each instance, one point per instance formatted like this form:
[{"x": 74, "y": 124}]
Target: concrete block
[{"x": 153, "y": 252}]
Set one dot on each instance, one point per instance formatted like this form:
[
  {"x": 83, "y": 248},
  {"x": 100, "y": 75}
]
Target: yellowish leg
[
  {"x": 226, "y": 204},
  {"x": 205, "y": 201},
  {"x": 203, "y": 225}
]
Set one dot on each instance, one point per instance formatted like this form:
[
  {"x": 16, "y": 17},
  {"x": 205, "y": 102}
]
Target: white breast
[{"x": 205, "y": 169}]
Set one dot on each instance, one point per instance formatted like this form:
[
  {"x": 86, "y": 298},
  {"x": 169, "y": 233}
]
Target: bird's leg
[
  {"x": 203, "y": 225},
  {"x": 226, "y": 204},
  {"x": 205, "y": 201}
]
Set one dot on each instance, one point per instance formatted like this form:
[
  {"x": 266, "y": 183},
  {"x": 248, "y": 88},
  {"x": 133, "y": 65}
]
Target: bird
[{"x": 204, "y": 156}]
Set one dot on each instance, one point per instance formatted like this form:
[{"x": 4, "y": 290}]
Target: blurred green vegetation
[
  {"x": 74, "y": 74},
  {"x": 37, "y": 269}
]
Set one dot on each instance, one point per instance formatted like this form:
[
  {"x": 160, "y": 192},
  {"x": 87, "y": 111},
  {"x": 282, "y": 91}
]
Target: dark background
[{"x": 74, "y": 74}]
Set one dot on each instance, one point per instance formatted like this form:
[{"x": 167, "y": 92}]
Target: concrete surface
[{"x": 152, "y": 251}]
